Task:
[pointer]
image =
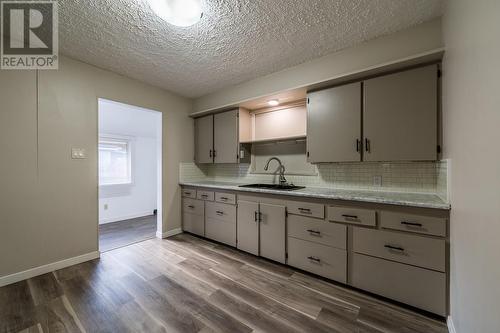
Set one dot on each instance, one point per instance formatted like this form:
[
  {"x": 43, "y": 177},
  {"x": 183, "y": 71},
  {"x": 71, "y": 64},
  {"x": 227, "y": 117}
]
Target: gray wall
[
  {"x": 374, "y": 53},
  {"x": 48, "y": 202},
  {"x": 471, "y": 136}
]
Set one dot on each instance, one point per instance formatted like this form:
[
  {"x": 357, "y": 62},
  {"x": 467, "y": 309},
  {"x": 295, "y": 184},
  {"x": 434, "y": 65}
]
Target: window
[{"x": 114, "y": 161}]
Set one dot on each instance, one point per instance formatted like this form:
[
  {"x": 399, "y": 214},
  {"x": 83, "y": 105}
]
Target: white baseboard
[
  {"x": 169, "y": 233},
  {"x": 125, "y": 217},
  {"x": 451, "y": 326},
  {"x": 16, "y": 277}
]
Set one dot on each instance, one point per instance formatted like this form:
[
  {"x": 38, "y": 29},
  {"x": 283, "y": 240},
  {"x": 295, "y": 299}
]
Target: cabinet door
[
  {"x": 226, "y": 137},
  {"x": 204, "y": 139},
  {"x": 272, "y": 232},
  {"x": 248, "y": 227},
  {"x": 400, "y": 116},
  {"x": 193, "y": 223},
  {"x": 334, "y": 124}
]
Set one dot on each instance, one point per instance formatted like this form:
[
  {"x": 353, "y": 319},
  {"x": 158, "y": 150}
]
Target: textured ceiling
[{"x": 236, "y": 40}]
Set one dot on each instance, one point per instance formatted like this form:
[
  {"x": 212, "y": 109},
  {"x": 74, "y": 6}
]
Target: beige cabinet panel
[
  {"x": 204, "y": 139},
  {"x": 220, "y": 211},
  {"x": 193, "y": 206},
  {"x": 272, "y": 232},
  {"x": 226, "y": 137},
  {"x": 317, "y": 231},
  {"x": 205, "y": 195},
  {"x": 189, "y": 193},
  {"x": 400, "y": 116},
  {"x": 248, "y": 227},
  {"x": 352, "y": 215},
  {"x": 193, "y": 223},
  {"x": 421, "y": 288},
  {"x": 405, "y": 248},
  {"x": 310, "y": 209},
  {"x": 220, "y": 223},
  {"x": 228, "y": 198},
  {"x": 318, "y": 259},
  {"x": 429, "y": 225},
  {"x": 334, "y": 124}
]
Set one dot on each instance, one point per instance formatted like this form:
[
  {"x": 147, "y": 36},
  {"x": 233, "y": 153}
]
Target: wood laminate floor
[
  {"x": 117, "y": 234},
  {"x": 187, "y": 284}
]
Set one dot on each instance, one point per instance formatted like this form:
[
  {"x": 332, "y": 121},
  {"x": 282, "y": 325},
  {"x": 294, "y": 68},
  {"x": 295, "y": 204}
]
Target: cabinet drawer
[
  {"x": 220, "y": 211},
  {"x": 193, "y": 206},
  {"x": 189, "y": 193},
  {"x": 193, "y": 223},
  {"x": 205, "y": 195},
  {"x": 413, "y": 223},
  {"x": 317, "y": 231},
  {"x": 223, "y": 231},
  {"x": 318, "y": 259},
  {"x": 415, "y": 286},
  {"x": 306, "y": 209},
  {"x": 225, "y": 198},
  {"x": 408, "y": 249},
  {"x": 352, "y": 215}
]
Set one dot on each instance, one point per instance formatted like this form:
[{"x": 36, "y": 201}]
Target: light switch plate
[{"x": 78, "y": 153}]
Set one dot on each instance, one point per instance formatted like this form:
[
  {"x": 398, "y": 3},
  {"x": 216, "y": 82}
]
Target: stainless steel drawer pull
[
  {"x": 224, "y": 198},
  {"x": 187, "y": 193},
  {"x": 191, "y": 206},
  {"x": 413, "y": 224},
  {"x": 314, "y": 259},
  {"x": 355, "y": 217},
  {"x": 396, "y": 248},
  {"x": 220, "y": 212},
  {"x": 316, "y": 232},
  {"x": 204, "y": 195},
  {"x": 256, "y": 216},
  {"x": 305, "y": 210}
]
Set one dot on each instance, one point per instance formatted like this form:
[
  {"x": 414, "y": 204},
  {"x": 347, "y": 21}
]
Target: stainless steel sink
[{"x": 286, "y": 187}]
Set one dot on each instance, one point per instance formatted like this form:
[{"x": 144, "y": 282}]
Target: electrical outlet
[
  {"x": 105, "y": 206},
  {"x": 78, "y": 153},
  {"x": 377, "y": 181}
]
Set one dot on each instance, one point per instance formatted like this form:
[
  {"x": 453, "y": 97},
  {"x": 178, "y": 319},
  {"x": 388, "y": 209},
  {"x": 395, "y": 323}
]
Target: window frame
[{"x": 129, "y": 140}]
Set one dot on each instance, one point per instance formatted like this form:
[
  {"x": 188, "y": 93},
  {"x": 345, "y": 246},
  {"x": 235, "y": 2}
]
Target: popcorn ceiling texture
[
  {"x": 417, "y": 177},
  {"x": 234, "y": 42}
]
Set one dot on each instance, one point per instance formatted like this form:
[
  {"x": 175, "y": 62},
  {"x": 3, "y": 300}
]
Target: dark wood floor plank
[
  {"x": 212, "y": 316},
  {"x": 17, "y": 309},
  {"x": 44, "y": 288},
  {"x": 175, "y": 319},
  {"x": 118, "y": 234},
  {"x": 58, "y": 316},
  {"x": 278, "y": 310},
  {"x": 138, "y": 320}
]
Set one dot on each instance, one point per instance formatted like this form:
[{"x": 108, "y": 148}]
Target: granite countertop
[{"x": 425, "y": 200}]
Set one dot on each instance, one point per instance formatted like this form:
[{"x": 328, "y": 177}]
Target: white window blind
[{"x": 114, "y": 161}]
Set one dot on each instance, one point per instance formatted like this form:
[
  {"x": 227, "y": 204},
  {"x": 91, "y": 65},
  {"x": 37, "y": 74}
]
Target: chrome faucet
[{"x": 282, "y": 178}]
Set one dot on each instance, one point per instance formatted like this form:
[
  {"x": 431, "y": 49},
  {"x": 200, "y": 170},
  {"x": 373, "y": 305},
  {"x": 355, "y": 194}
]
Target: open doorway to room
[{"x": 129, "y": 147}]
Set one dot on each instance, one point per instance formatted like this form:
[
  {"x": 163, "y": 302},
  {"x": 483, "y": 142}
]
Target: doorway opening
[{"x": 130, "y": 164}]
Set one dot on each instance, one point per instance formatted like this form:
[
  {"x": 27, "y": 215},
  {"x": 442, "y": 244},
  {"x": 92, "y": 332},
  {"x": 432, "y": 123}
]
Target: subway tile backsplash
[{"x": 419, "y": 177}]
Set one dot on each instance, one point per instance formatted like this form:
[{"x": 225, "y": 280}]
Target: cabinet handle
[
  {"x": 305, "y": 210},
  {"x": 215, "y": 153},
  {"x": 255, "y": 216},
  {"x": 220, "y": 212},
  {"x": 191, "y": 206},
  {"x": 354, "y": 217},
  {"x": 367, "y": 145},
  {"x": 204, "y": 195},
  {"x": 223, "y": 198},
  {"x": 314, "y": 259},
  {"x": 260, "y": 217},
  {"x": 413, "y": 224},
  {"x": 358, "y": 145},
  {"x": 210, "y": 152},
  {"x": 396, "y": 248},
  {"x": 187, "y": 193},
  {"x": 314, "y": 232}
]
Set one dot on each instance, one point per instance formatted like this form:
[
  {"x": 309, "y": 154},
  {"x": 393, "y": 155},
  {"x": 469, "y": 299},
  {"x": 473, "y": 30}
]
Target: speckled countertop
[{"x": 425, "y": 200}]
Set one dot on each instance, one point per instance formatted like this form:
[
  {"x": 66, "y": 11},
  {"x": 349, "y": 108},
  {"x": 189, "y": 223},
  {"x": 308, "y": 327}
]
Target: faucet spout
[{"x": 282, "y": 178}]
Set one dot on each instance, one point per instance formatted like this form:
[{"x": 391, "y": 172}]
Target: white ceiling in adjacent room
[{"x": 235, "y": 41}]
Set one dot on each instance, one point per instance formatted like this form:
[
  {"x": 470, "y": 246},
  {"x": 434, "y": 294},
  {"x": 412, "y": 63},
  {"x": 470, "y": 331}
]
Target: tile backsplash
[{"x": 419, "y": 177}]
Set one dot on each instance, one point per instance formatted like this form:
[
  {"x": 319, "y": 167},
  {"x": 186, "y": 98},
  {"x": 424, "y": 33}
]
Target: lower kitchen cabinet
[
  {"x": 248, "y": 226},
  {"x": 220, "y": 222},
  {"x": 193, "y": 216},
  {"x": 421, "y": 288}
]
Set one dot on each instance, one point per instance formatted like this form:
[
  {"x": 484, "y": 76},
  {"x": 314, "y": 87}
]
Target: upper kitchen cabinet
[
  {"x": 218, "y": 137},
  {"x": 334, "y": 124},
  {"x": 400, "y": 115},
  {"x": 204, "y": 139}
]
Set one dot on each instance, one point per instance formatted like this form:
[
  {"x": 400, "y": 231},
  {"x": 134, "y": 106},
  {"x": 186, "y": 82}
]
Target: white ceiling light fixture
[
  {"x": 273, "y": 102},
  {"x": 182, "y": 13}
]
